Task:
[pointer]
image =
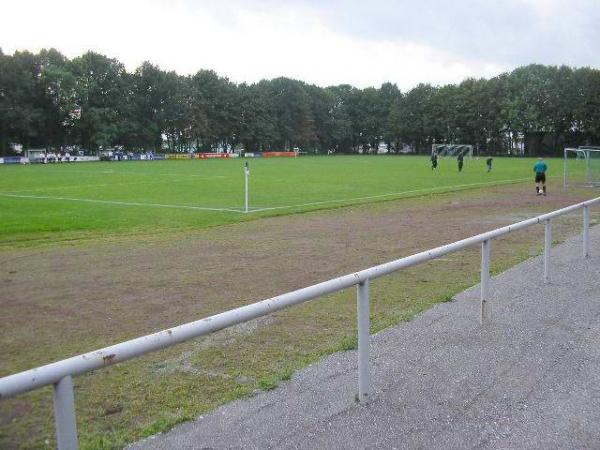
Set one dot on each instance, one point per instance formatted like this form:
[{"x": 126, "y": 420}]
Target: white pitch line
[
  {"x": 415, "y": 191},
  {"x": 53, "y": 188},
  {"x": 114, "y": 202},
  {"x": 64, "y": 170}
]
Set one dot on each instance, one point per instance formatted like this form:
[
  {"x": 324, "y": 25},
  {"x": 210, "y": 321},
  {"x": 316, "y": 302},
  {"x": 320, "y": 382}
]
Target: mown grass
[{"x": 308, "y": 182}]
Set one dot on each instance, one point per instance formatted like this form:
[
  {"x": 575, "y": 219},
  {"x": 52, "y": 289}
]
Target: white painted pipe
[
  {"x": 485, "y": 277},
  {"x": 362, "y": 318},
  {"x": 586, "y": 231},
  {"x": 64, "y": 414},
  {"x": 547, "y": 249}
]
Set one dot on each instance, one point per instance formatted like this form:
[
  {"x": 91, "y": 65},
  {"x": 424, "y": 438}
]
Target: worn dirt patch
[
  {"x": 62, "y": 300},
  {"x": 114, "y": 290}
]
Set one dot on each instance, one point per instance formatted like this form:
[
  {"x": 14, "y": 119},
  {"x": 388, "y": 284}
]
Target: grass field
[
  {"x": 63, "y": 299},
  {"x": 53, "y": 202}
]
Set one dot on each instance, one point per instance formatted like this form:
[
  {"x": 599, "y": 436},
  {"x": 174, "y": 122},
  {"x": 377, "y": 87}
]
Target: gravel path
[{"x": 529, "y": 378}]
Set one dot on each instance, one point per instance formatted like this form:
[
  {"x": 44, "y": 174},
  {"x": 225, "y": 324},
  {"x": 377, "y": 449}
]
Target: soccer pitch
[
  {"x": 39, "y": 201},
  {"x": 66, "y": 299}
]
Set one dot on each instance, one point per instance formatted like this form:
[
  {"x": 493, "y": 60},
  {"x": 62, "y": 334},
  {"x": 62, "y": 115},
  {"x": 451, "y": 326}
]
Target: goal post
[
  {"x": 582, "y": 167},
  {"x": 452, "y": 150}
]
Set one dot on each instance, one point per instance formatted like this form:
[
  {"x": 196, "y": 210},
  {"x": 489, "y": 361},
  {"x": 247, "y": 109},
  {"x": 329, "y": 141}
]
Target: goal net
[
  {"x": 582, "y": 166},
  {"x": 452, "y": 150}
]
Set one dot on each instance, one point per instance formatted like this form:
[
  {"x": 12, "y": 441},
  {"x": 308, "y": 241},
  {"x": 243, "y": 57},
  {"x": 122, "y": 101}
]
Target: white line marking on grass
[
  {"x": 114, "y": 202},
  {"x": 52, "y": 188},
  {"x": 391, "y": 194},
  {"x": 134, "y": 172},
  {"x": 167, "y": 174}
]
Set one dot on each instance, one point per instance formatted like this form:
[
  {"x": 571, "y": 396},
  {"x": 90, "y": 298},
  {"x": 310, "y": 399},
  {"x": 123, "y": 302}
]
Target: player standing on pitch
[
  {"x": 433, "y": 160},
  {"x": 489, "y": 163},
  {"x": 459, "y": 158},
  {"x": 540, "y": 169}
]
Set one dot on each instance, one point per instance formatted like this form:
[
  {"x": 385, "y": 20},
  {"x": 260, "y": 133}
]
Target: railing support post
[
  {"x": 586, "y": 231},
  {"x": 64, "y": 414},
  {"x": 362, "y": 309},
  {"x": 485, "y": 276},
  {"x": 547, "y": 248}
]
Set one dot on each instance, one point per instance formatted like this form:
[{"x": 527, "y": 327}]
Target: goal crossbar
[{"x": 442, "y": 150}]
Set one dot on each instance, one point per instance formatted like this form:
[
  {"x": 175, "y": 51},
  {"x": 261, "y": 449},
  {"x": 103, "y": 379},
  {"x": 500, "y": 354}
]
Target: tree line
[{"x": 91, "y": 101}]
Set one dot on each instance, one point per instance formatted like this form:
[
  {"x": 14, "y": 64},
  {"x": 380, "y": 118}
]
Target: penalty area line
[
  {"x": 393, "y": 194},
  {"x": 119, "y": 203}
]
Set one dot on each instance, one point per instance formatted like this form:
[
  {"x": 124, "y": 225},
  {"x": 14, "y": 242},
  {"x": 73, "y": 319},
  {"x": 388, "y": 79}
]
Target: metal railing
[{"x": 60, "y": 374}]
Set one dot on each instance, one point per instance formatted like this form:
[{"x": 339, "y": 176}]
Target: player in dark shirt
[
  {"x": 540, "y": 169},
  {"x": 433, "y": 160},
  {"x": 489, "y": 164},
  {"x": 459, "y": 158}
]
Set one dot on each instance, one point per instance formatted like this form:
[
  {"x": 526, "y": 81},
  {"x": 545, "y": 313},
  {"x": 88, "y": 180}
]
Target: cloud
[
  {"x": 509, "y": 32},
  {"x": 355, "y": 42}
]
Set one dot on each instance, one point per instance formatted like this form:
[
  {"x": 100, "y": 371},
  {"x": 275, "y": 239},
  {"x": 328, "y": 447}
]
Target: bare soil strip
[{"x": 64, "y": 299}]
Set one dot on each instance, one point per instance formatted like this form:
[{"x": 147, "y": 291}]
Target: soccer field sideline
[{"x": 393, "y": 195}]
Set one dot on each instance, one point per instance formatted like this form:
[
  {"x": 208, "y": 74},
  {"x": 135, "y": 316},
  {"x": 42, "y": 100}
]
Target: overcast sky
[{"x": 359, "y": 42}]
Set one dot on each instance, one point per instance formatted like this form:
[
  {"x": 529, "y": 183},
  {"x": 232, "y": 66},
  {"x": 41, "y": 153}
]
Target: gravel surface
[{"x": 529, "y": 378}]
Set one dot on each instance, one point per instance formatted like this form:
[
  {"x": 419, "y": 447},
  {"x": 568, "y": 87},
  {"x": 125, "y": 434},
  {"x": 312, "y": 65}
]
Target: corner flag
[{"x": 247, "y": 177}]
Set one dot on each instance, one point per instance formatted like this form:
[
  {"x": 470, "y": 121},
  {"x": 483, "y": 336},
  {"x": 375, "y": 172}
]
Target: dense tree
[
  {"x": 176, "y": 112},
  {"x": 415, "y": 117},
  {"x": 256, "y": 127},
  {"x": 343, "y": 137},
  {"x": 212, "y": 109},
  {"x": 389, "y": 95},
  {"x": 586, "y": 104},
  {"x": 57, "y": 98},
  {"x": 47, "y": 101},
  {"x": 21, "y": 104},
  {"x": 101, "y": 99}
]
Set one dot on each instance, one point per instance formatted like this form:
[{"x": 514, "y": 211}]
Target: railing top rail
[{"x": 51, "y": 373}]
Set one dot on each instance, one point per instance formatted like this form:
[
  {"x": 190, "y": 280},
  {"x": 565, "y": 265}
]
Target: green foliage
[
  {"x": 447, "y": 297},
  {"x": 267, "y": 383},
  {"x": 91, "y": 101},
  {"x": 349, "y": 343}
]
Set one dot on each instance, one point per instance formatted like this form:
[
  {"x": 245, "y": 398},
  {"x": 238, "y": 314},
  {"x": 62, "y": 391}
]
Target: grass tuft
[{"x": 349, "y": 343}]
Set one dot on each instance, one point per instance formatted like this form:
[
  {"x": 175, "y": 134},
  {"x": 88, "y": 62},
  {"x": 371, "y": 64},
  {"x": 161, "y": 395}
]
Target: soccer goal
[
  {"x": 582, "y": 166},
  {"x": 452, "y": 150}
]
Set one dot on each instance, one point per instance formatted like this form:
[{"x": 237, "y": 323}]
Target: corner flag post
[{"x": 247, "y": 172}]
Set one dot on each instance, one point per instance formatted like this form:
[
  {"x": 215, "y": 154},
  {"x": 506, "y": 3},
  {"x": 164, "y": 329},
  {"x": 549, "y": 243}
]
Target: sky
[{"x": 358, "y": 42}]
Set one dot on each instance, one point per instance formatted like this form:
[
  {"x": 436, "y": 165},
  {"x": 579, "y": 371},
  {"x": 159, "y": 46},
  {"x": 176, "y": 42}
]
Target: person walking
[{"x": 540, "y": 168}]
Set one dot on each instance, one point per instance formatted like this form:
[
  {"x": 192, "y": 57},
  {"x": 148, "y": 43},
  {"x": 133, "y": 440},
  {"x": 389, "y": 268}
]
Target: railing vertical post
[
  {"x": 586, "y": 231},
  {"x": 362, "y": 309},
  {"x": 547, "y": 248},
  {"x": 485, "y": 276},
  {"x": 64, "y": 415}
]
